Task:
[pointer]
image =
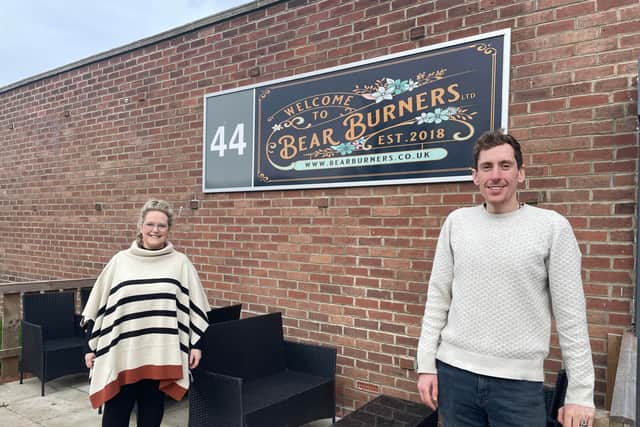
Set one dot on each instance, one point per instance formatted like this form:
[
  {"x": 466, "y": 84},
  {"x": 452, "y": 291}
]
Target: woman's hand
[
  {"x": 194, "y": 358},
  {"x": 88, "y": 359}
]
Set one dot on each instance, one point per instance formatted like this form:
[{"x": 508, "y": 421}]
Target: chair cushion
[
  {"x": 266, "y": 391},
  {"x": 224, "y": 314},
  {"x": 64, "y": 343}
]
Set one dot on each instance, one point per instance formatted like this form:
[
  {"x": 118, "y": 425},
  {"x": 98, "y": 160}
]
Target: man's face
[{"x": 498, "y": 177}]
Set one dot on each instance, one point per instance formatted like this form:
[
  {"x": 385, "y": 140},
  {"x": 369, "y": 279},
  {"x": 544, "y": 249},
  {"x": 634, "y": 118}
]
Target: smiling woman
[
  {"x": 144, "y": 320},
  {"x": 155, "y": 222}
]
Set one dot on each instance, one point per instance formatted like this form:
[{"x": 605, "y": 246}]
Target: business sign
[{"x": 405, "y": 118}]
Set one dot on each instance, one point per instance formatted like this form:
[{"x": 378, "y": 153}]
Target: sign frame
[{"x": 243, "y": 175}]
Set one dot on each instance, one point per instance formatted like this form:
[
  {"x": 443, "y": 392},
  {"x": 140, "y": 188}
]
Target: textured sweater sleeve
[
  {"x": 438, "y": 301},
  {"x": 568, "y": 305}
]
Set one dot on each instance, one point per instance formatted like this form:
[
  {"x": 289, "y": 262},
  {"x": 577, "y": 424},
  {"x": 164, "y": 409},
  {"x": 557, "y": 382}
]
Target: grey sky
[{"x": 40, "y": 35}]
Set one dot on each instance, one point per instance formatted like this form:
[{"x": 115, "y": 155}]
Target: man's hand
[
  {"x": 88, "y": 359},
  {"x": 428, "y": 388},
  {"x": 572, "y": 415},
  {"x": 194, "y": 358}
]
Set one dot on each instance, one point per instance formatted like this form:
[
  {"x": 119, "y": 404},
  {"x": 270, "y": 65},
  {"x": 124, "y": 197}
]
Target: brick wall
[{"x": 82, "y": 149}]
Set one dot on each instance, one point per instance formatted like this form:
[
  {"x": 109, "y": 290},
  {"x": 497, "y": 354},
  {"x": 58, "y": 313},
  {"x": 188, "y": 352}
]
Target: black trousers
[{"x": 150, "y": 400}]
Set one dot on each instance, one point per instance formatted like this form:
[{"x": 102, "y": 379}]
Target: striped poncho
[{"x": 148, "y": 309}]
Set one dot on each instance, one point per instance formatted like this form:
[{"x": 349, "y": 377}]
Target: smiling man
[{"x": 500, "y": 271}]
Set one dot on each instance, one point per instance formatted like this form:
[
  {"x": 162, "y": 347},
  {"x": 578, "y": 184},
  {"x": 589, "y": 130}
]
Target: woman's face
[{"x": 155, "y": 230}]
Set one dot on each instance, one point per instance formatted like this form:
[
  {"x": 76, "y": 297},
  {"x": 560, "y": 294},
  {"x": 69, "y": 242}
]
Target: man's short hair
[{"x": 495, "y": 138}]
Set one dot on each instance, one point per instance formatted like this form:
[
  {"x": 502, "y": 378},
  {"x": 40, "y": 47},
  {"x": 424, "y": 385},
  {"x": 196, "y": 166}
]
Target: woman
[{"x": 144, "y": 319}]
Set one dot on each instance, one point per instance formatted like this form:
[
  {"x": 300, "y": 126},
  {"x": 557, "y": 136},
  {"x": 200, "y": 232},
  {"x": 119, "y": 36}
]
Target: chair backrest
[
  {"x": 84, "y": 297},
  {"x": 555, "y": 398},
  {"x": 53, "y": 310},
  {"x": 247, "y": 348},
  {"x": 224, "y": 314}
]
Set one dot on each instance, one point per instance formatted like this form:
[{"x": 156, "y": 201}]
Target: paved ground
[{"x": 66, "y": 404}]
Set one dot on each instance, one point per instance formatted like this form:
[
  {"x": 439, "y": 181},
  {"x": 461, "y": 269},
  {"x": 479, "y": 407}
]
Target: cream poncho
[{"x": 148, "y": 309}]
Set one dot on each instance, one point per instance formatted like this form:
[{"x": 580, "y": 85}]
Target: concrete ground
[{"x": 66, "y": 403}]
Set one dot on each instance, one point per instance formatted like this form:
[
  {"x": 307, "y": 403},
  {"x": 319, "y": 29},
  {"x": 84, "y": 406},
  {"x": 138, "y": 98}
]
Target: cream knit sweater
[{"x": 495, "y": 282}]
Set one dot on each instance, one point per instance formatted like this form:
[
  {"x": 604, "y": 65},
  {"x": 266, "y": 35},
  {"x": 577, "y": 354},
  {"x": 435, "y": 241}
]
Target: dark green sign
[{"x": 405, "y": 118}]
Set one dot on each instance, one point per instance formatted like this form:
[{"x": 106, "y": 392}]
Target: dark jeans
[
  {"x": 466, "y": 399},
  {"x": 150, "y": 400}
]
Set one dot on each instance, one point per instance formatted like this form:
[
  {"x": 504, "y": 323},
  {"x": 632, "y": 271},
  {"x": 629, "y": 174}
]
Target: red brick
[
  {"x": 531, "y": 120},
  {"x": 572, "y": 89},
  {"x": 611, "y": 250},
  {"x": 481, "y": 17},
  {"x": 548, "y": 105},
  {"x": 596, "y": 46},
  {"x": 588, "y": 101},
  {"x": 571, "y": 169},
  {"x": 498, "y": 25},
  {"x": 517, "y": 9},
  {"x": 611, "y": 84},
  {"x": 614, "y": 195},
  {"x": 467, "y": 32},
  {"x": 630, "y": 41},
  {"x": 597, "y": 19},
  {"x": 550, "y": 131},
  {"x": 571, "y": 116},
  {"x": 610, "y": 4},
  {"x": 614, "y": 167},
  {"x": 535, "y": 18},
  {"x": 448, "y": 25},
  {"x": 627, "y": 153},
  {"x": 552, "y": 158},
  {"x": 532, "y": 95},
  {"x": 614, "y": 140},
  {"x": 552, "y": 79},
  {"x": 576, "y": 10},
  {"x": 607, "y": 112},
  {"x": 555, "y": 27},
  {"x": 603, "y": 126},
  {"x": 534, "y": 69}
]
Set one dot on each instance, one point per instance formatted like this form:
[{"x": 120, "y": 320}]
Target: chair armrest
[
  {"x": 215, "y": 399},
  {"x": 78, "y": 330},
  {"x": 32, "y": 333},
  {"x": 32, "y": 348},
  {"x": 557, "y": 400},
  {"x": 311, "y": 359}
]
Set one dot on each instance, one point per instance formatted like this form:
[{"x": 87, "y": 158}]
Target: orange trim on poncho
[{"x": 167, "y": 375}]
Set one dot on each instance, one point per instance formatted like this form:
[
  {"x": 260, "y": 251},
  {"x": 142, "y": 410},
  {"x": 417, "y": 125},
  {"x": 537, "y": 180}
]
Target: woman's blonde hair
[{"x": 154, "y": 205}]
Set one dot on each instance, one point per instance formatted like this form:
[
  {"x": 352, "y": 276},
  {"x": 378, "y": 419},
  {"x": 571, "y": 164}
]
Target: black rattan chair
[
  {"x": 224, "y": 314},
  {"x": 52, "y": 341},
  {"x": 84, "y": 297},
  {"x": 554, "y": 398},
  {"x": 249, "y": 376}
]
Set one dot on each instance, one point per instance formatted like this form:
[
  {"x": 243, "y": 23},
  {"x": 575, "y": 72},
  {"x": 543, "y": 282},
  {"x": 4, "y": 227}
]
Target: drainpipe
[{"x": 637, "y": 293}]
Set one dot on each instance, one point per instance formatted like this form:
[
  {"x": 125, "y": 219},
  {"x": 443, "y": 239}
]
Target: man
[{"x": 500, "y": 270}]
